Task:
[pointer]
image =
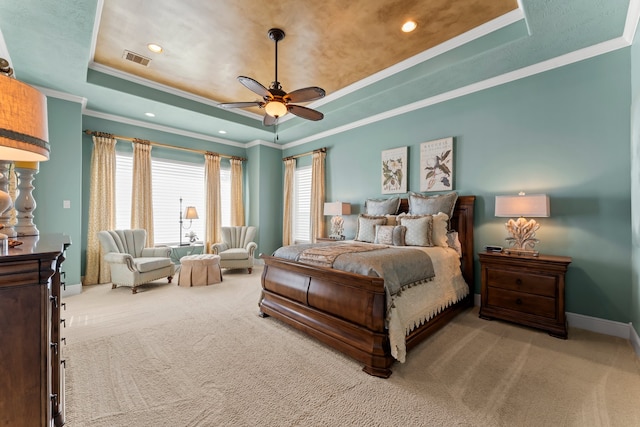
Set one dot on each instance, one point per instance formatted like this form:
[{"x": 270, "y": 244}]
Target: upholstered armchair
[
  {"x": 130, "y": 262},
  {"x": 237, "y": 247}
]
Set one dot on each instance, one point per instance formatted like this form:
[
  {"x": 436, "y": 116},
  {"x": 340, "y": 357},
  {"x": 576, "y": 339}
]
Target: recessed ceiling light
[
  {"x": 409, "y": 26},
  {"x": 155, "y": 48},
  {"x": 149, "y": 114},
  {"x": 222, "y": 131}
]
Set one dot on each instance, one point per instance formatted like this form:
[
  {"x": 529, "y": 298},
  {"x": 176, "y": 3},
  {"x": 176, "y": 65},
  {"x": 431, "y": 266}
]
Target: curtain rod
[
  {"x": 319, "y": 150},
  {"x": 159, "y": 144}
]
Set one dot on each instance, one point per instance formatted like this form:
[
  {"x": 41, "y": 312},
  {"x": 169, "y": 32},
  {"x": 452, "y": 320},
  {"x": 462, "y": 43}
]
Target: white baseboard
[
  {"x": 602, "y": 326},
  {"x": 635, "y": 339},
  {"x": 595, "y": 324}
]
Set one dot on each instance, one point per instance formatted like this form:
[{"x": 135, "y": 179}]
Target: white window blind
[
  {"x": 170, "y": 180},
  {"x": 302, "y": 205}
]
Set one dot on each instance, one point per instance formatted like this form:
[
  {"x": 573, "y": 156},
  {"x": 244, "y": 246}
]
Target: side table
[{"x": 525, "y": 290}]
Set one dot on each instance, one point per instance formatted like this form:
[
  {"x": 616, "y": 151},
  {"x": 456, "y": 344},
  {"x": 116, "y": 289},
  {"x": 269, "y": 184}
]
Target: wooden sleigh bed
[{"x": 347, "y": 311}]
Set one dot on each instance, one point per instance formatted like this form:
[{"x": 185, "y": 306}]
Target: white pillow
[
  {"x": 390, "y": 235},
  {"x": 366, "y": 231},
  {"x": 419, "y": 230},
  {"x": 439, "y": 230}
]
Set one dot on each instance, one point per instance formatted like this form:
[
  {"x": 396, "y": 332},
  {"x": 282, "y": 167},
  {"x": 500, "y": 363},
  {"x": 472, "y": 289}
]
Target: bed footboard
[{"x": 343, "y": 310}]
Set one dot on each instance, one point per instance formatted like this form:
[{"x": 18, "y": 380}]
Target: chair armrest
[
  {"x": 216, "y": 248},
  {"x": 117, "y": 258},
  {"x": 251, "y": 248},
  {"x": 160, "y": 251}
]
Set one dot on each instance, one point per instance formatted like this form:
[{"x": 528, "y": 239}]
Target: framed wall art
[
  {"x": 394, "y": 170},
  {"x": 436, "y": 165}
]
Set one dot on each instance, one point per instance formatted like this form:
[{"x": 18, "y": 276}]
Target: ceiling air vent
[{"x": 135, "y": 57}]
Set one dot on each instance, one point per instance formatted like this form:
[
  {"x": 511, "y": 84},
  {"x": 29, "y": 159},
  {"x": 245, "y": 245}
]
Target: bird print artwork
[{"x": 437, "y": 165}]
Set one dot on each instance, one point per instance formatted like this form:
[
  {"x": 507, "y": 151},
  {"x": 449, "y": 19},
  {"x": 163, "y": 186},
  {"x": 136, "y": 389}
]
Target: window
[
  {"x": 171, "y": 180},
  {"x": 302, "y": 205}
]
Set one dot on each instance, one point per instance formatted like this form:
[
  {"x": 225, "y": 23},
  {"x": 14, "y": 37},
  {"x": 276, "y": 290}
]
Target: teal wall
[
  {"x": 265, "y": 206},
  {"x": 59, "y": 179},
  {"x": 564, "y": 133},
  {"x": 635, "y": 183}
]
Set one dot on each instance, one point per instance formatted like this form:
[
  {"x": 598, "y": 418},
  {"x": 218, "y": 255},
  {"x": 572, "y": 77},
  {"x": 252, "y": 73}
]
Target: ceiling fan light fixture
[{"x": 275, "y": 109}]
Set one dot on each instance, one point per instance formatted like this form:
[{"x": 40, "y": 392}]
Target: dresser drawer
[
  {"x": 523, "y": 282},
  {"x": 522, "y": 302}
]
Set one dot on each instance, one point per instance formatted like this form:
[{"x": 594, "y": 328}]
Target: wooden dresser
[
  {"x": 31, "y": 369},
  {"x": 525, "y": 290}
]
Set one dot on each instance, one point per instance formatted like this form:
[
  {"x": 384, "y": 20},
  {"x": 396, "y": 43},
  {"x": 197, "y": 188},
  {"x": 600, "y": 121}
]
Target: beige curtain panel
[
  {"x": 287, "y": 221},
  {"x": 101, "y": 206},
  {"x": 237, "y": 196},
  {"x": 142, "y": 192},
  {"x": 317, "y": 195},
  {"x": 212, "y": 182}
]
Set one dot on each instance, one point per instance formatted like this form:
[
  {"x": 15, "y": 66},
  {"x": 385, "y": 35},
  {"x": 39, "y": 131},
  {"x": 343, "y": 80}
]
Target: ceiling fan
[{"x": 275, "y": 101}]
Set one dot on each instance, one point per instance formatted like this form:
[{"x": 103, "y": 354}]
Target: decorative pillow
[
  {"x": 382, "y": 206},
  {"x": 430, "y": 205},
  {"x": 366, "y": 231},
  {"x": 419, "y": 230},
  {"x": 439, "y": 231},
  {"x": 390, "y": 235},
  {"x": 392, "y": 219},
  {"x": 454, "y": 242}
]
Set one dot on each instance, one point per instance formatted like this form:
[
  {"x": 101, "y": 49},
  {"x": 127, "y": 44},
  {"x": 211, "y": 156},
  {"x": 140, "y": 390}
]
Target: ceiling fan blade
[
  {"x": 269, "y": 120},
  {"x": 305, "y": 113},
  {"x": 240, "y": 104},
  {"x": 254, "y": 86},
  {"x": 305, "y": 95}
]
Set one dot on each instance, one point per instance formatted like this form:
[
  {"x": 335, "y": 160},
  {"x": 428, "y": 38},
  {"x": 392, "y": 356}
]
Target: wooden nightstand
[{"x": 525, "y": 290}]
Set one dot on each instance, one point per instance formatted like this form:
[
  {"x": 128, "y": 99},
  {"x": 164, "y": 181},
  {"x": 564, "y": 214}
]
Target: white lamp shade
[
  {"x": 337, "y": 208},
  {"x": 528, "y": 205},
  {"x": 275, "y": 109},
  {"x": 24, "y": 129},
  {"x": 190, "y": 213}
]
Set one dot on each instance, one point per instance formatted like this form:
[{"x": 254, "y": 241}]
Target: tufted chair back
[
  {"x": 124, "y": 241},
  {"x": 238, "y": 236}
]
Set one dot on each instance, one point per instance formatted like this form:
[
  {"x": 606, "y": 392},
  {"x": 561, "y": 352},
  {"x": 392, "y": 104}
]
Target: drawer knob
[
  {"x": 518, "y": 282},
  {"x": 519, "y": 301}
]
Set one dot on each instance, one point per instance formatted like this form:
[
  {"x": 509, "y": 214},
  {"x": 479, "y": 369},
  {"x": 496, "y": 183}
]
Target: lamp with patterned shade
[{"x": 24, "y": 130}]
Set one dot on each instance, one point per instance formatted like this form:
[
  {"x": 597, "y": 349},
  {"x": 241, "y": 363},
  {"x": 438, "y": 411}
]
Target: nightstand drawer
[
  {"x": 522, "y": 282},
  {"x": 522, "y": 302}
]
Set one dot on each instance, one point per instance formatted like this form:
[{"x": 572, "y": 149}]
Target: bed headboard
[{"x": 462, "y": 222}]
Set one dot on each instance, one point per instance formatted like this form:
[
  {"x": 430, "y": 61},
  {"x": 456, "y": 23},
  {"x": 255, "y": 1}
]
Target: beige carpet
[{"x": 173, "y": 356}]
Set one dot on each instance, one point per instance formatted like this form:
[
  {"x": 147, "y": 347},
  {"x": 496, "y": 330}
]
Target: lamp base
[{"x": 521, "y": 252}]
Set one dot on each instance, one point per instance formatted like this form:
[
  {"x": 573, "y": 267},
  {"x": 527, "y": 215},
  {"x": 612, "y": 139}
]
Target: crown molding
[
  {"x": 167, "y": 129},
  {"x": 50, "y": 93},
  {"x": 541, "y": 67}
]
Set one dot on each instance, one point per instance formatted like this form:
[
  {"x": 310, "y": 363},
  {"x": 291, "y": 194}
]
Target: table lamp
[
  {"x": 337, "y": 209},
  {"x": 24, "y": 131},
  {"x": 522, "y": 232}
]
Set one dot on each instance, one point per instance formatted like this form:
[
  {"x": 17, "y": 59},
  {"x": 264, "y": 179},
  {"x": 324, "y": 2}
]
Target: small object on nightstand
[
  {"x": 492, "y": 248},
  {"x": 525, "y": 290}
]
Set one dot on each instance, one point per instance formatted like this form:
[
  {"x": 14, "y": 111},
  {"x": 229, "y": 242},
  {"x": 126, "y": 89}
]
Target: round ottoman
[{"x": 199, "y": 270}]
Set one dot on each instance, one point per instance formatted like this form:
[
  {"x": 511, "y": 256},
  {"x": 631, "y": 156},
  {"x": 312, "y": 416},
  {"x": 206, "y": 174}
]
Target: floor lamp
[{"x": 190, "y": 213}]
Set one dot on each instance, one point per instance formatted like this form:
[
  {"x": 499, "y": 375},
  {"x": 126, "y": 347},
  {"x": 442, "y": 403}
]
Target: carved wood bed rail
[{"x": 347, "y": 311}]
